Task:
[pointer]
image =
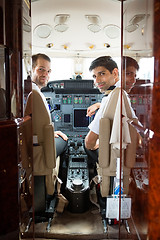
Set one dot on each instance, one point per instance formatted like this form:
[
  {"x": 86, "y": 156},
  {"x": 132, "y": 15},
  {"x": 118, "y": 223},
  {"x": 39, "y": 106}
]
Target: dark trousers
[
  {"x": 92, "y": 156},
  {"x": 61, "y": 146}
]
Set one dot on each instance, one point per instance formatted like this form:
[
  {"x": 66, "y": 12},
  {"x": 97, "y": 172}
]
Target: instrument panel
[{"x": 68, "y": 106}]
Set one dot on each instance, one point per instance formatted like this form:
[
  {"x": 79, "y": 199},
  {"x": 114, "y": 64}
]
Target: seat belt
[
  {"x": 93, "y": 195},
  {"x": 62, "y": 201}
]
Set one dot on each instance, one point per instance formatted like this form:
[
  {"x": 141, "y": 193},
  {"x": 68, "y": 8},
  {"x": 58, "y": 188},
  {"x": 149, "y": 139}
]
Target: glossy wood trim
[{"x": 154, "y": 149}]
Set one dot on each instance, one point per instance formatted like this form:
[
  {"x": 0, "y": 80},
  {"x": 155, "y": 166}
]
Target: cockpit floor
[{"x": 75, "y": 226}]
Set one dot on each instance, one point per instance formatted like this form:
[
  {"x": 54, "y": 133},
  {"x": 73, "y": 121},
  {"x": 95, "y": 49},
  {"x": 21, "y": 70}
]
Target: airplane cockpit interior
[{"x": 58, "y": 178}]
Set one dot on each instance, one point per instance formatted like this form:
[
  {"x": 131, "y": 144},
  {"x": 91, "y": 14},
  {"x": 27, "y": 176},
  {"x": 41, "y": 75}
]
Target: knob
[
  {"x": 79, "y": 143},
  {"x": 77, "y": 184},
  {"x": 72, "y": 144}
]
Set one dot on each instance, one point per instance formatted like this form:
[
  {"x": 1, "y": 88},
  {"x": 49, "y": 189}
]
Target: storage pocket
[
  {"x": 38, "y": 160},
  {"x": 115, "y": 153}
]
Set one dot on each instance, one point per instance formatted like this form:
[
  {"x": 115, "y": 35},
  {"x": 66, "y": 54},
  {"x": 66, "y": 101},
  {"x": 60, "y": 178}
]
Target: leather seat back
[
  {"x": 44, "y": 151},
  {"x": 110, "y": 139}
]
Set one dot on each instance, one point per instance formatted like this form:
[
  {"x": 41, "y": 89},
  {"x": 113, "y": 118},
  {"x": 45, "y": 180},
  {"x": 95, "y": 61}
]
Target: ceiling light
[
  {"x": 91, "y": 46},
  {"x": 131, "y": 27},
  {"x": 107, "y": 45},
  {"x": 94, "y": 19},
  {"x": 94, "y": 28},
  {"x": 65, "y": 46},
  {"x": 127, "y": 46},
  {"x": 49, "y": 45},
  {"x": 61, "y": 18},
  {"x": 112, "y": 31},
  {"x": 43, "y": 30},
  {"x": 61, "y": 27}
]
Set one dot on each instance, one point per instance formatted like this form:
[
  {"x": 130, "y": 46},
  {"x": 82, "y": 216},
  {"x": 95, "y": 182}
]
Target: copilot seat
[{"x": 109, "y": 141}]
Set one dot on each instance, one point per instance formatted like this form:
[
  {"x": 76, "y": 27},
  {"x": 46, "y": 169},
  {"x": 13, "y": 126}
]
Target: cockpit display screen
[
  {"x": 67, "y": 118},
  {"x": 80, "y": 119}
]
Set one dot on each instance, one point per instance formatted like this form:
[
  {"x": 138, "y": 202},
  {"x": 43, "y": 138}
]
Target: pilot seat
[{"x": 45, "y": 163}]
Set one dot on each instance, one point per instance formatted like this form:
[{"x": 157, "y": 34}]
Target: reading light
[
  {"x": 131, "y": 27},
  {"x": 94, "y": 28},
  {"x": 134, "y": 20},
  {"x": 94, "y": 19},
  {"x": 26, "y": 25},
  {"x": 138, "y": 18},
  {"x": 61, "y": 20},
  {"x": 61, "y": 27}
]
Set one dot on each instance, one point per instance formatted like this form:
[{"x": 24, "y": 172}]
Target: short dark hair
[
  {"x": 128, "y": 61},
  {"x": 37, "y": 56},
  {"x": 104, "y": 61}
]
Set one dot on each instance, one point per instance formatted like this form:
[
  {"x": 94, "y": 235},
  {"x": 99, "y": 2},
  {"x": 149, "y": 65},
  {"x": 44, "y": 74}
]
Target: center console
[
  {"x": 68, "y": 102},
  {"x": 77, "y": 187}
]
